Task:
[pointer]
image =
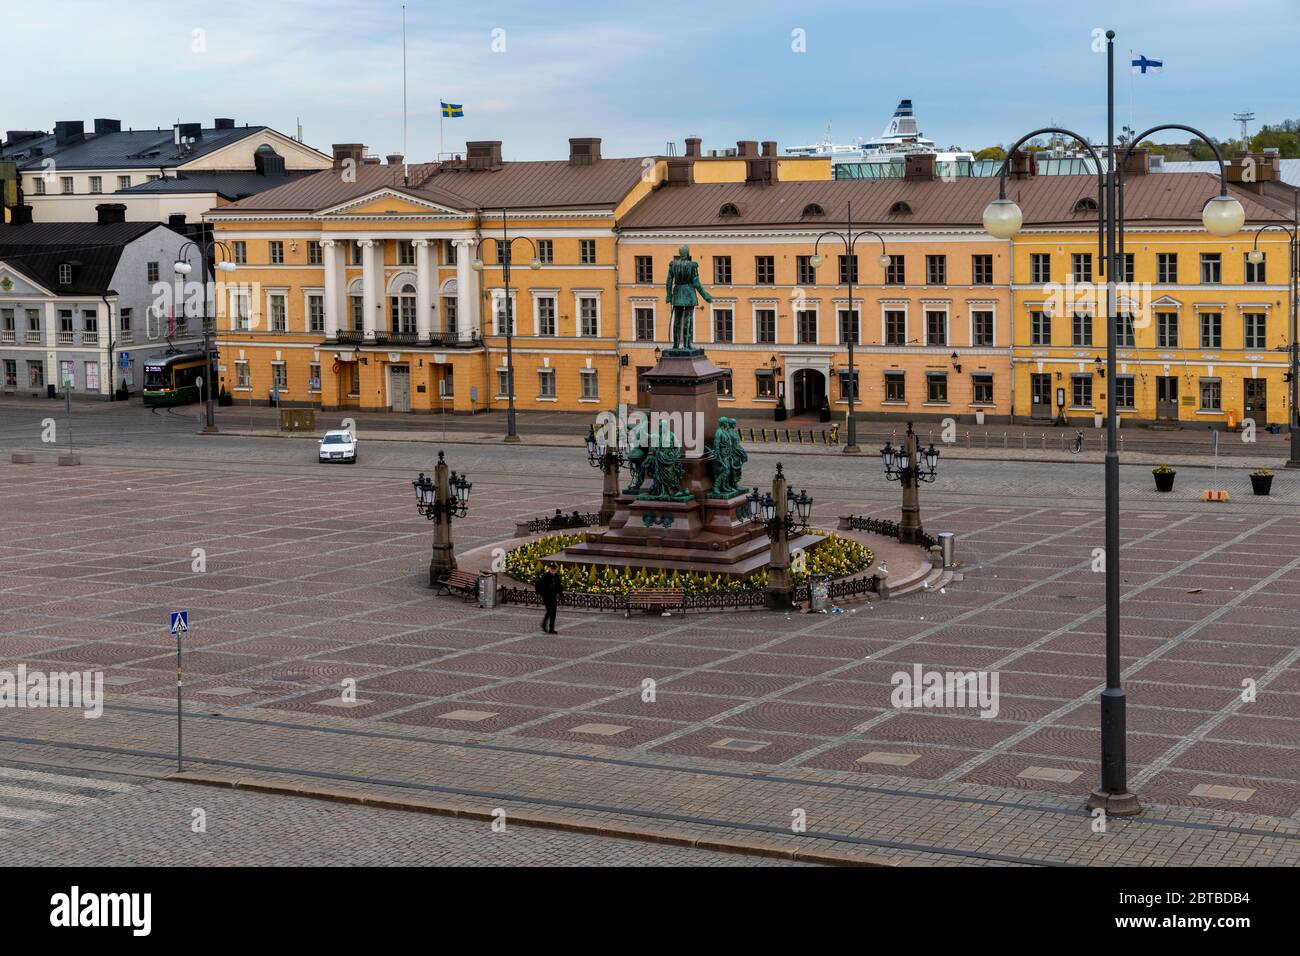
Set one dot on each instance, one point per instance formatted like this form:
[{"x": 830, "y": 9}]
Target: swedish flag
[{"x": 452, "y": 109}]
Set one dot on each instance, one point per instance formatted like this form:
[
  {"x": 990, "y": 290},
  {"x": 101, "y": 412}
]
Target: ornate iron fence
[
  {"x": 559, "y": 521},
  {"x": 887, "y": 528}
]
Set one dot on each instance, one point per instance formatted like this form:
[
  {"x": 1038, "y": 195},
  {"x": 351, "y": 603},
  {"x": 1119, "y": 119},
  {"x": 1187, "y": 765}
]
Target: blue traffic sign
[{"x": 180, "y": 622}]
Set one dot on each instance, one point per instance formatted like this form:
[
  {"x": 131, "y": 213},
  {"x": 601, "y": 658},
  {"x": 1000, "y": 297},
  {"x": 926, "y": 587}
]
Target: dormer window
[
  {"x": 813, "y": 209},
  {"x": 1086, "y": 204},
  {"x": 729, "y": 209},
  {"x": 900, "y": 208},
  {"x": 65, "y": 273}
]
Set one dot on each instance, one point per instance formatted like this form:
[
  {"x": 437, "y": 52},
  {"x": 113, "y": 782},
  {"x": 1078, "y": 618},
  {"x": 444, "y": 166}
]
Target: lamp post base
[
  {"x": 778, "y": 599},
  {"x": 209, "y": 430},
  {"x": 1293, "y": 463},
  {"x": 852, "y": 450},
  {"x": 1122, "y": 804},
  {"x": 511, "y": 439}
]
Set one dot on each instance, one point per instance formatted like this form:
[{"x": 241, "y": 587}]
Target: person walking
[{"x": 550, "y": 586}]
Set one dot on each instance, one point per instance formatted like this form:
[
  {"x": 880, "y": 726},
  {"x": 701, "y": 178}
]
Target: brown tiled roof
[
  {"x": 547, "y": 184},
  {"x": 1044, "y": 200}
]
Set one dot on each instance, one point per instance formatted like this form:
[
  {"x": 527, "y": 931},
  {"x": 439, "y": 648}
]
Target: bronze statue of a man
[{"x": 683, "y": 283}]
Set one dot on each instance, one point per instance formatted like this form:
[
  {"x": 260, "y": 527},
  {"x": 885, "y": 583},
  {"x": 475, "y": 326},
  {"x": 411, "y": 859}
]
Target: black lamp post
[
  {"x": 850, "y": 239},
  {"x": 609, "y": 459},
  {"x": 207, "y": 250},
  {"x": 1255, "y": 257},
  {"x": 441, "y": 498},
  {"x": 783, "y": 515},
  {"x": 1223, "y": 216},
  {"x": 909, "y": 466},
  {"x": 507, "y": 244}
]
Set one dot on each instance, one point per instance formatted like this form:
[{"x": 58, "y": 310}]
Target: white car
[{"x": 338, "y": 445}]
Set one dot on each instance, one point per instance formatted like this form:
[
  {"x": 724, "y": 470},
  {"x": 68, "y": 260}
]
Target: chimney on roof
[
  {"x": 348, "y": 153},
  {"x": 584, "y": 150},
  {"x": 745, "y": 148},
  {"x": 223, "y": 122},
  {"x": 67, "y": 132},
  {"x": 1023, "y": 165},
  {"x": 769, "y": 147},
  {"x": 918, "y": 168},
  {"x": 1138, "y": 163},
  {"x": 110, "y": 212},
  {"x": 693, "y": 146},
  {"x": 1250, "y": 170},
  {"x": 681, "y": 171},
  {"x": 186, "y": 132},
  {"x": 107, "y": 126},
  {"x": 394, "y": 159},
  {"x": 267, "y": 162},
  {"x": 20, "y": 215},
  {"x": 483, "y": 154},
  {"x": 15, "y": 136},
  {"x": 176, "y": 221}
]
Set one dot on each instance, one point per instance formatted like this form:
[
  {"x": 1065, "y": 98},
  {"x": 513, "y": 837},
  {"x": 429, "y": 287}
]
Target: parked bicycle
[{"x": 1076, "y": 446}]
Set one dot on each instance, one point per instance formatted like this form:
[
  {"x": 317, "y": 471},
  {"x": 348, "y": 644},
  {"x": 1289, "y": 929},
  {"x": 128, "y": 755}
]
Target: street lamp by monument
[
  {"x": 440, "y": 498},
  {"x": 783, "y": 515},
  {"x": 850, "y": 239},
  {"x": 1255, "y": 257},
  {"x": 909, "y": 466},
  {"x": 1222, "y": 216},
  {"x": 207, "y": 254},
  {"x": 506, "y": 247},
  {"x": 609, "y": 459}
]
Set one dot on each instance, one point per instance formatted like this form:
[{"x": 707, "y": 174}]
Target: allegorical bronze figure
[{"x": 683, "y": 283}]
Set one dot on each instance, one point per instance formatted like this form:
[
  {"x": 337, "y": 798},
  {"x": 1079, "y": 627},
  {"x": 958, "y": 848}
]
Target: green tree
[
  {"x": 1284, "y": 137},
  {"x": 992, "y": 152}
]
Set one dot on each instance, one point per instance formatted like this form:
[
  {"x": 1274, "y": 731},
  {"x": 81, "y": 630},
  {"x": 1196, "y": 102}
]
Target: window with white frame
[
  {"x": 806, "y": 322},
  {"x": 67, "y": 185},
  {"x": 1256, "y": 324},
  {"x": 315, "y": 313},
  {"x": 725, "y": 387},
  {"x": 981, "y": 332},
  {"x": 895, "y": 327},
  {"x": 895, "y": 388},
  {"x": 981, "y": 388},
  {"x": 405, "y": 252},
  {"x": 1125, "y": 393},
  {"x": 546, "y": 383},
  {"x": 277, "y": 312},
  {"x": 123, "y": 182},
  {"x": 279, "y": 376},
  {"x": 764, "y": 384},
  {"x": 936, "y": 327},
  {"x": 313, "y": 376},
  {"x": 724, "y": 325},
  {"x": 545, "y": 306},
  {"x": 588, "y": 316},
  {"x": 276, "y": 251},
  {"x": 590, "y": 385},
  {"x": 239, "y": 310},
  {"x": 936, "y": 388},
  {"x": 242, "y": 378},
  {"x": 402, "y": 310},
  {"x": 96, "y": 184},
  {"x": 848, "y": 319},
  {"x": 503, "y": 313},
  {"x": 1211, "y": 390},
  {"x": 503, "y": 383},
  {"x": 765, "y": 326},
  {"x": 645, "y": 323},
  {"x": 1167, "y": 330},
  {"x": 1211, "y": 330}
]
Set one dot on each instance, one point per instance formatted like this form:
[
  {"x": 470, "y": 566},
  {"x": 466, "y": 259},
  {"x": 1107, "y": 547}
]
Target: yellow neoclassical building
[
  {"x": 381, "y": 286},
  {"x": 1202, "y": 331}
]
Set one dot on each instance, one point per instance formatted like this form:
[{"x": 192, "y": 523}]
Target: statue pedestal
[{"x": 708, "y": 535}]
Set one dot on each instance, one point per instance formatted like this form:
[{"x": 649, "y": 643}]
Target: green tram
[{"x": 172, "y": 380}]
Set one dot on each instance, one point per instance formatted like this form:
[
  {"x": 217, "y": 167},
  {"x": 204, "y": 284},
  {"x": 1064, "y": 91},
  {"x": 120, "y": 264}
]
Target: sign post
[{"x": 180, "y": 624}]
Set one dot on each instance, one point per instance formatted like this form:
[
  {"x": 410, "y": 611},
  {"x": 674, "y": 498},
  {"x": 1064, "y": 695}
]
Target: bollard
[
  {"x": 947, "y": 547},
  {"x": 1004, "y": 439},
  {"x": 968, "y": 439},
  {"x": 487, "y": 590}
]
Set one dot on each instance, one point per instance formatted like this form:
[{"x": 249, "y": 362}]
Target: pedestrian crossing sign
[{"x": 180, "y": 622}]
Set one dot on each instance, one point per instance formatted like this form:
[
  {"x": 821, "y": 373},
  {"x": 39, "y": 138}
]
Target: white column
[
  {"x": 329, "y": 255},
  {"x": 104, "y": 317},
  {"x": 467, "y": 312},
  {"x": 423, "y": 301},
  {"x": 369, "y": 288}
]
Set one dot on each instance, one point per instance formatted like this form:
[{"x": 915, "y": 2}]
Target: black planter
[
  {"x": 824, "y": 415},
  {"x": 1164, "y": 482},
  {"x": 1261, "y": 483},
  {"x": 779, "y": 415}
]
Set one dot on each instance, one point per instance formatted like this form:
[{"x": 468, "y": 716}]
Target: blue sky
[{"x": 639, "y": 74}]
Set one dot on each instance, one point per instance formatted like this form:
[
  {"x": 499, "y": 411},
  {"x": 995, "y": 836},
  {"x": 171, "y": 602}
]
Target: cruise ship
[{"x": 900, "y": 137}]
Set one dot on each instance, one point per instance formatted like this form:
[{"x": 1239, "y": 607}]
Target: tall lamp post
[
  {"x": 207, "y": 250},
  {"x": 783, "y": 515},
  {"x": 1255, "y": 256},
  {"x": 441, "y": 498},
  {"x": 909, "y": 466},
  {"x": 850, "y": 239},
  {"x": 609, "y": 459},
  {"x": 507, "y": 244},
  {"x": 1223, "y": 216}
]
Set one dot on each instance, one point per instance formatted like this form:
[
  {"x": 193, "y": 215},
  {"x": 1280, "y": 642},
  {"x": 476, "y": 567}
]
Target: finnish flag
[{"x": 1145, "y": 64}]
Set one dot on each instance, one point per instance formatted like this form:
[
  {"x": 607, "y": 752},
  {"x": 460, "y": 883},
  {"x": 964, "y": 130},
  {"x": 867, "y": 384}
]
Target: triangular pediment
[
  {"x": 389, "y": 202},
  {"x": 13, "y": 282}
]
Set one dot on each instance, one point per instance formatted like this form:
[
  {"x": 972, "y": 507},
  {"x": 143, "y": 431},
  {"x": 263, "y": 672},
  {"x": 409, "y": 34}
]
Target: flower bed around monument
[{"x": 834, "y": 557}]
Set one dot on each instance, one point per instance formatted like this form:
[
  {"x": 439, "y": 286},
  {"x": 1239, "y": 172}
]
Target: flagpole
[
  {"x": 1131, "y": 116},
  {"x": 441, "y": 119},
  {"x": 405, "y": 177}
]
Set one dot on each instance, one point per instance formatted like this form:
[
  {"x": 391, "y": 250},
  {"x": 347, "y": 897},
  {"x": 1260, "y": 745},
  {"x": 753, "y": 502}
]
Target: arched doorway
[{"x": 809, "y": 387}]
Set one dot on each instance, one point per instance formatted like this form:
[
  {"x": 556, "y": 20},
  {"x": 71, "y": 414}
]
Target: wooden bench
[
  {"x": 466, "y": 582},
  {"x": 655, "y": 599}
]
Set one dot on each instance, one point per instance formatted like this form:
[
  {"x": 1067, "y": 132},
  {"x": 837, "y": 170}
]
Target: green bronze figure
[
  {"x": 730, "y": 458},
  {"x": 664, "y": 468},
  {"x": 683, "y": 283}
]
